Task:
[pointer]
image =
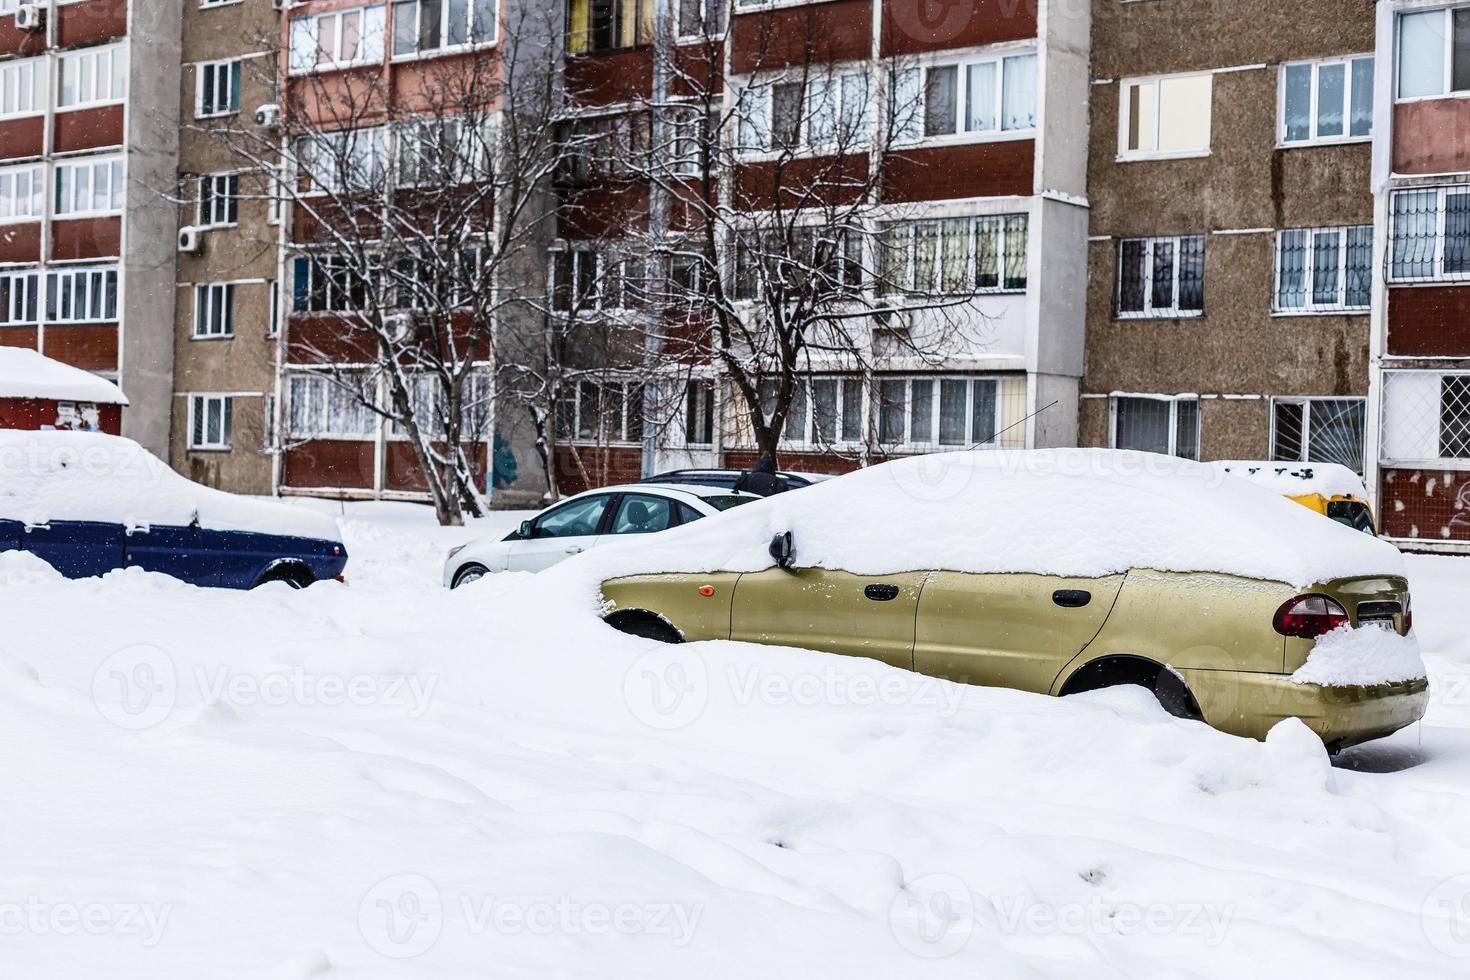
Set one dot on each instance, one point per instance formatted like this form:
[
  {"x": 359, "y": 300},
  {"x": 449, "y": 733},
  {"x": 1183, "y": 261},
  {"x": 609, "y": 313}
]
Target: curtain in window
[
  {"x": 1192, "y": 274},
  {"x": 952, "y": 405},
  {"x": 852, "y": 410},
  {"x": 1361, "y": 109},
  {"x": 1331, "y": 96},
  {"x": 1421, "y": 54},
  {"x": 1297, "y": 110},
  {"x": 1018, "y": 93},
  {"x": 1291, "y": 271},
  {"x": 1359, "y": 266},
  {"x": 956, "y": 269},
  {"x": 1142, "y": 424},
  {"x": 1326, "y": 264},
  {"x": 987, "y": 253},
  {"x": 921, "y": 423},
  {"x": 940, "y": 95},
  {"x": 1456, "y": 233},
  {"x": 980, "y": 97},
  {"x": 1415, "y": 215},
  {"x": 1017, "y": 229}
]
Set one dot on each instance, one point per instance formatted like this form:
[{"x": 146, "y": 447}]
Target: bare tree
[{"x": 417, "y": 209}]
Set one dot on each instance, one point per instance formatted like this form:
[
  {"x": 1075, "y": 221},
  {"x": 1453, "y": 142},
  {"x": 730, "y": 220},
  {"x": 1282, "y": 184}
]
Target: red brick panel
[
  {"x": 329, "y": 464},
  {"x": 1431, "y": 505},
  {"x": 324, "y": 338},
  {"x": 20, "y": 243},
  {"x": 404, "y": 473},
  {"x": 917, "y": 26},
  {"x": 796, "y": 462},
  {"x": 86, "y": 238},
  {"x": 969, "y": 170},
  {"x": 605, "y": 467},
  {"x": 91, "y": 22},
  {"x": 14, "y": 41},
  {"x": 20, "y": 337},
  {"x": 1432, "y": 137},
  {"x": 35, "y": 413},
  {"x": 608, "y": 79},
  {"x": 804, "y": 184},
  {"x": 817, "y": 33},
  {"x": 91, "y": 347},
  {"x": 1429, "y": 321},
  {"x": 25, "y": 137},
  {"x": 89, "y": 129}
]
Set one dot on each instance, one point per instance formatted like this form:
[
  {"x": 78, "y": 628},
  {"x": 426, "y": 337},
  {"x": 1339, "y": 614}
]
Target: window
[
  {"x": 574, "y": 519},
  {"x": 327, "y": 284},
  {"x": 1324, "y": 269},
  {"x": 433, "y": 25},
  {"x": 354, "y": 160},
  {"x": 605, "y": 146},
  {"x": 18, "y": 297},
  {"x": 92, "y": 76},
  {"x": 22, "y": 193},
  {"x": 582, "y": 279},
  {"x": 970, "y": 98},
  {"x": 608, "y": 25},
  {"x": 923, "y": 413},
  {"x": 1454, "y": 416},
  {"x": 209, "y": 421},
  {"x": 219, "y": 200},
  {"x": 1161, "y": 277},
  {"x": 699, "y": 413},
  {"x": 426, "y": 395},
  {"x": 319, "y": 407},
  {"x": 818, "y": 262},
  {"x": 337, "y": 39},
  {"x": 1434, "y": 53},
  {"x": 602, "y": 412},
  {"x": 1168, "y": 116},
  {"x": 93, "y": 186},
  {"x": 273, "y": 313},
  {"x": 1429, "y": 235},
  {"x": 23, "y": 87},
  {"x": 1326, "y": 101},
  {"x": 85, "y": 295},
  {"x": 701, "y": 18},
  {"x": 214, "y": 310},
  {"x": 826, "y": 112},
  {"x": 1318, "y": 430},
  {"x": 643, "y": 514},
  {"x": 218, "y": 84},
  {"x": 955, "y": 256},
  {"x": 444, "y": 151},
  {"x": 1157, "y": 424}
]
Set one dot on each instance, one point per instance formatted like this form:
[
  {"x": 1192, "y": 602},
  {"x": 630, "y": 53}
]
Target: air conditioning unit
[
  {"x": 268, "y": 116},
  {"x": 191, "y": 240},
  {"x": 30, "y": 17}
]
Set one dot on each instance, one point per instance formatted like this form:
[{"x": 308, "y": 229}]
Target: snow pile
[
  {"x": 25, "y": 373},
  {"x": 1369, "y": 655},
  {"x": 88, "y": 476},
  {"x": 1058, "y": 512},
  {"x": 1298, "y": 479}
]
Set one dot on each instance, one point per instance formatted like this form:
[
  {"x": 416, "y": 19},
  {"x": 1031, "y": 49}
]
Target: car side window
[
  {"x": 687, "y": 514},
  {"x": 639, "y": 514},
  {"x": 576, "y": 519}
]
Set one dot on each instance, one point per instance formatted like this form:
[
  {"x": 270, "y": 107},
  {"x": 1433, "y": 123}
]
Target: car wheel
[
  {"x": 468, "y": 574},
  {"x": 292, "y": 576},
  {"x": 645, "y": 625},
  {"x": 1168, "y": 687}
]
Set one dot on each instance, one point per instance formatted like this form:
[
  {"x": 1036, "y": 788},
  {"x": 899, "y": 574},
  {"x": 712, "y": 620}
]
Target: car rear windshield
[{"x": 725, "y": 503}]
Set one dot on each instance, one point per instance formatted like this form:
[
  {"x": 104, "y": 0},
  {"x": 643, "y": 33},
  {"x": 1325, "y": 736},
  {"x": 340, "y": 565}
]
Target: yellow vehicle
[
  {"x": 1330, "y": 489},
  {"x": 1129, "y": 605}
]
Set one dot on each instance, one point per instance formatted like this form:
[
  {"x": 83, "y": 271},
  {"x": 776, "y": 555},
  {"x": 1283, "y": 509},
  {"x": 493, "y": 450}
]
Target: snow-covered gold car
[{"x": 1056, "y": 572}]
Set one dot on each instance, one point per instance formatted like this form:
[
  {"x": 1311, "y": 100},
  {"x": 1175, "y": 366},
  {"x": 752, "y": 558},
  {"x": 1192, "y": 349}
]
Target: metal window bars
[{"x": 1429, "y": 235}]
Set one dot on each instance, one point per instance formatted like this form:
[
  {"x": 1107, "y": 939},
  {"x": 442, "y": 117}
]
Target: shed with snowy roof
[{"x": 37, "y": 392}]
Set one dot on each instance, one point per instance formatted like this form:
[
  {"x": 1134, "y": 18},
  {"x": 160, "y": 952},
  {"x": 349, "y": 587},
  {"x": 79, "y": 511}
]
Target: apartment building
[
  {"x": 984, "y": 196},
  {"x": 88, "y": 144},
  {"x": 1231, "y": 246},
  {"x": 227, "y": 296},
  {"x": 1421, "y": 315}
]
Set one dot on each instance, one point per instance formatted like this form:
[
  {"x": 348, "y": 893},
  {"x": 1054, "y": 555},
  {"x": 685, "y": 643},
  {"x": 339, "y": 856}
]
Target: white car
[{"x": 579, "y": 523}]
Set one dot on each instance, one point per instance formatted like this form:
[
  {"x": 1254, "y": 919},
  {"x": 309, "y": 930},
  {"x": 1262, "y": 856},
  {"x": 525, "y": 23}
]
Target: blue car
[{"x": 88, "y": 503}]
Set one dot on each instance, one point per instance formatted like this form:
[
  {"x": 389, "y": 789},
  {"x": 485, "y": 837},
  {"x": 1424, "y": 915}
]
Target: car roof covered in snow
[
  {"x": 1058, "y": 512},
  {"x": 88, "y": 476},
  {"x": 1298, "y": 479},
  {"x": 25, "y": 373}
]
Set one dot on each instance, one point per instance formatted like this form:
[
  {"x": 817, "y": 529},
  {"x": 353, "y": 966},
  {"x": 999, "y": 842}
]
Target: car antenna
[{"x": 996, "y": 435}]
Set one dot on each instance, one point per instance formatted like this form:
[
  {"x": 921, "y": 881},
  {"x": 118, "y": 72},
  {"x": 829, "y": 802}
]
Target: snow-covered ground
[{"x": 386, "y": 779}]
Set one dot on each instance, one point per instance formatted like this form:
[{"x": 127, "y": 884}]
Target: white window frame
[
  {"x": 1003, "y": 224},
  {"x": 29, "y": 80},
  {"x": 214, "y": 320},
  {"x": 1441, "y": 194},
  {"x": 1149, "y": 312},
  {"x": 1125, "y": 103},
  {"x": 115, "y": 57},
  {"x": 326, "y": 402},
  {"x": 308, "y": 29},
  {"x": 115, "y": 168},
  {"x": 902, "y": 87},
  {"x": 23, "y": 290},
  {"x": 755, "y": 114},
  {"x": 443, "y": 49},
  {"x": 930, "y": 442},
  {"x": 1347, "y": 62},
  {"x": 213, "y": 210},
  {"x": 721, "y": 10},
  {"x": 23, "y": 209},
  {"x": 1307, "y": 401},
  {"x": 1447, "y": 31},
  {"x": 573, "y": 399},
  {"x": 80, "y": 284},
  {"x": 202, "y": 402},
  {"x": 1173, "y": 402},
  {"x": 367, "y": 147},
  {"x": 231, "y": 69},
  {"x": 1309, "y": 271}
]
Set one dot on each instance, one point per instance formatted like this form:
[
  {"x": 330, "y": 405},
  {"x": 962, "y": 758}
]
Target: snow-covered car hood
[
  {"x": 1059, "y": 512},
  {"x": 89, "y": 476}
]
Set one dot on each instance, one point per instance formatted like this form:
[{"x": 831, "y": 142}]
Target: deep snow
[{"x": 386, "y": 779}]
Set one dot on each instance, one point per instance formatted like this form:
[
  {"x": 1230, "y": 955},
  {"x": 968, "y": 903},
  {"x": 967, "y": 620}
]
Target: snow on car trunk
[
  {"x": 87, "y": 476},
  {"x": 1060, "y": 512}
]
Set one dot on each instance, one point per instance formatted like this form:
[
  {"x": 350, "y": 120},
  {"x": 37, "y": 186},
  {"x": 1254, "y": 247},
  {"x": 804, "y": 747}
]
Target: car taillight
[{"x": 1309, "y": 616}]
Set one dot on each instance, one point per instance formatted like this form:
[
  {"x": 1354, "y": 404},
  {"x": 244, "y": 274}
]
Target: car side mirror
[
  {"x": 783, "y": 549},
  {"x": 526, "y": 530}
]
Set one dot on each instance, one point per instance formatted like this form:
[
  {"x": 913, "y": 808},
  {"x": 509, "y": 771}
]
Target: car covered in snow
[
  {"x": 733, "y": 479},
  {"x": 580, "y": 523},
  {"x": 1056, "y": 572},
  {"x": 1331, "y": 489},
  {"x": 89, "y": 503}
]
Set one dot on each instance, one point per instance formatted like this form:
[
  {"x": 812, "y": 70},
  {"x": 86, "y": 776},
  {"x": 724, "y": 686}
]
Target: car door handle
[
  {"x": 1071, "y": 598},
  {"x": 575, "y": 550},
  {"x": 881, "y": 593}
]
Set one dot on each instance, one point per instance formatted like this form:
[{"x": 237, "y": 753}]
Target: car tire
[
  {"x": 294, "y": 576},
  {"x": 644, "y": 625},
  {"x": 468, "y": 574},
  {"x": 1166, "y": 686}
]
